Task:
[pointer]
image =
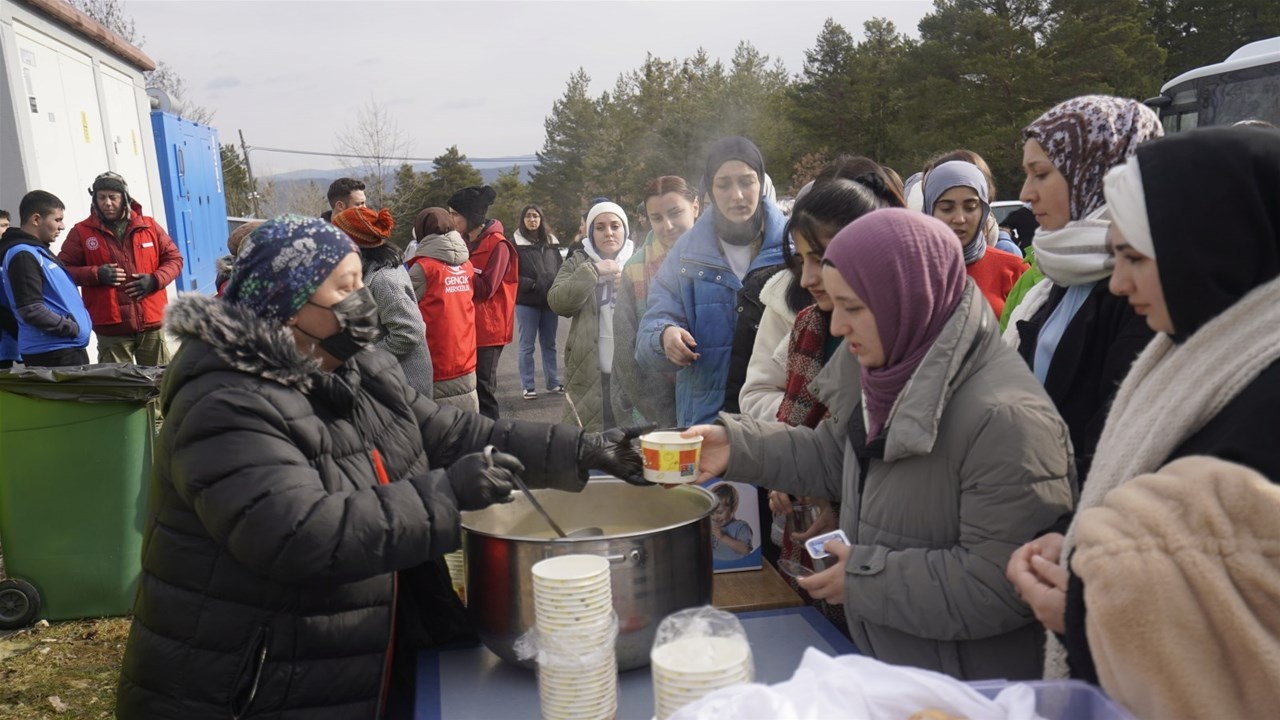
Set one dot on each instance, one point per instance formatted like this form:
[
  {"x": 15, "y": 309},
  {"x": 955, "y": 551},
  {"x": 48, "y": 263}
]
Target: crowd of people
[
  {"x": 110, "y": 277},
  {"x": 1025, "y": 504},
  {"x": 1002, "y": 419}
]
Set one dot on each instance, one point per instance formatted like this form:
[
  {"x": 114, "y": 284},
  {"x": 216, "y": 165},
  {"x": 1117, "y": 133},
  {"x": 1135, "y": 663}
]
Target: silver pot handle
[{"x": 632, "y": 557}]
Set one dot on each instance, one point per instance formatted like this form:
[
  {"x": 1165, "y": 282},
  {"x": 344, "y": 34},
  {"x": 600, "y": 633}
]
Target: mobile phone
[{"x": 814, "y": 545}]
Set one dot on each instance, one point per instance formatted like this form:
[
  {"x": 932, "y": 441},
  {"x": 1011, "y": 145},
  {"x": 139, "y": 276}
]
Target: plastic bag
[
  {"x": 858, "y": 686},
  {"x": 703, "y": 621},
  {"x": 104, "y": 382},
  {"x": 552, "y": 649},
  {"x": 695, "y": 652}
]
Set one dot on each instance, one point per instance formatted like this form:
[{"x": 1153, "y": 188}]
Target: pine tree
[
  {"x": 450, "y": 173},
  {"x": 235, "y": 182},
  {"x": 571, "y": 128},
  {"x": 975, "y": 80},
  {"x": 822, "y": 102},
  {"x": 1202, "y": 32},
  {"x": 879, "y": 95},
  {"x": 1105, "y": 48},
  {"x": 513, "y": 195},
  {"x": 411, "y": 190}
]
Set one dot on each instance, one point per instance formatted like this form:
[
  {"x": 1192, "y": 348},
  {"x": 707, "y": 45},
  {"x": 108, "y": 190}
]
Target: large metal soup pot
[{"x": 658, "y": 543}]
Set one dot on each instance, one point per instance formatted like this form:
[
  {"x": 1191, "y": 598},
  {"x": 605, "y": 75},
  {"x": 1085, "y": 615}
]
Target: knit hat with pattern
[{"x": 282, "y": 263}]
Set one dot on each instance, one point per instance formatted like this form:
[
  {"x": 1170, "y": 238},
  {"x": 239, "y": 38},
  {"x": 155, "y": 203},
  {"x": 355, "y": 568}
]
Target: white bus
[{"x": 1245, "y": 86}]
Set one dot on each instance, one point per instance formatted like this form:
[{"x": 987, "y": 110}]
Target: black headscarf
[
  {"x": 1213, "y": 202},
  {"x": 735, "y": 147}
]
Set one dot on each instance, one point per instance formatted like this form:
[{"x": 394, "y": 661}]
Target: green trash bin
[{"x": 75, "y": 457}]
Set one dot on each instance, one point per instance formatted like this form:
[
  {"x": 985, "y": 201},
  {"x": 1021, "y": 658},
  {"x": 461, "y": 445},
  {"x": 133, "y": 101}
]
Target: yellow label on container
[{"x": 84, "y": 123}]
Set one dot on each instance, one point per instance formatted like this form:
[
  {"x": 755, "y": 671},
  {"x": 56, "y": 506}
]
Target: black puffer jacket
[
  {"x": 1096, "y": 350},
  {"x": 750, "y": 310},
  {"x": 539, "y": 264},
  {"x": 270, "y": 548}
]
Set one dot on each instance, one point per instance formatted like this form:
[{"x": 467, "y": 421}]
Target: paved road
[{"x": 548, "y": 407}]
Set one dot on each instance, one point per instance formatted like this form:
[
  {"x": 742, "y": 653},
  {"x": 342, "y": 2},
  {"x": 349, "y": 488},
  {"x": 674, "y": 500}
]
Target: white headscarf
[{"x": 1128, "y": 202}]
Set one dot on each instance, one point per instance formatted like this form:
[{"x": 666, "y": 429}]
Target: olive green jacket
[{"x": 573, "y": 295}]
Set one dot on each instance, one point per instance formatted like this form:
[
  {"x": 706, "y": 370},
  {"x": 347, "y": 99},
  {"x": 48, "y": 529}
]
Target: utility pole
[{"x": 253, "y": 184}]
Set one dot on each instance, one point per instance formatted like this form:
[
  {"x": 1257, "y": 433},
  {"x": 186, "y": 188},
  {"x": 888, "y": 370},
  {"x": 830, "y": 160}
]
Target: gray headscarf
[{"x": 958, "y": 173}]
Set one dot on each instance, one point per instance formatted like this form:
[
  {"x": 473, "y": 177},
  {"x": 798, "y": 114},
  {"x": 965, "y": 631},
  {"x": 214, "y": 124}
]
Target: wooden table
[{"x": 762, "y": 589}]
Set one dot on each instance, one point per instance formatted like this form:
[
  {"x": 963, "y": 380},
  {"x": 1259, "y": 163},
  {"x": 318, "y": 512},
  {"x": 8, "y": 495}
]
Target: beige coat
[
  {"x": 976, "y": 461},
  {"x": 1180, "y": 579}
]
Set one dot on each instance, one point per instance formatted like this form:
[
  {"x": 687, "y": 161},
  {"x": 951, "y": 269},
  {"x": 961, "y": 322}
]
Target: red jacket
[
  {"x": 450, "y": 316},
  {"x": 147, "y": 250},
  {"x": 497, "y": 280},
  {"x": 995, "y": 275}
]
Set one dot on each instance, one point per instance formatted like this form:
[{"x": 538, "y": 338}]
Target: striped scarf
[{"x": 642, "y": 268}]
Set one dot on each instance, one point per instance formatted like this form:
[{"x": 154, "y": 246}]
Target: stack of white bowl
[
  {"x": 577, "y": 632},
  {"x": 686, "y": 669}
]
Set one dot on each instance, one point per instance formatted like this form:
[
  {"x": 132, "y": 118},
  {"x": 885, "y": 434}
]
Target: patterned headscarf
[
  {"x": 1087, "y": 136},
  {"x": 282, "y": 263}
]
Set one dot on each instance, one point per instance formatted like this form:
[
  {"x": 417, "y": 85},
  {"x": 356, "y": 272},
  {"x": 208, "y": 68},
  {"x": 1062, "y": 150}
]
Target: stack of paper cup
[
  {"x": 577, "y": 632},
  {"x": 687, "y": 668}
]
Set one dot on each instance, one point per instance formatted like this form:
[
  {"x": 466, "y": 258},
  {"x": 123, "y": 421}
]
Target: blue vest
[
  {"x": 8, "y": 343},
  {"x": 60, "y": 295}
]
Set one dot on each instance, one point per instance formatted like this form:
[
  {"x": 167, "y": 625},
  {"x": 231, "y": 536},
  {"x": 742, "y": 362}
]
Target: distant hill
[{"x": 489, "y": 169}]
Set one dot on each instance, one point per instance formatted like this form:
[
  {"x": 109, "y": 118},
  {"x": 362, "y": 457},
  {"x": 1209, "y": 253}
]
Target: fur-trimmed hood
[
  {"x": 448, "y": 248},
  {"x": 240, "y": 341},
  {"x": 224, "y": 264}
]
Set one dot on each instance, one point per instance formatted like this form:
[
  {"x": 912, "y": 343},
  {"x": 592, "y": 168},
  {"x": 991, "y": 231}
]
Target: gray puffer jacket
[
  {"x": 403, "y": 332},
  {"x": 975, "y": 461}
]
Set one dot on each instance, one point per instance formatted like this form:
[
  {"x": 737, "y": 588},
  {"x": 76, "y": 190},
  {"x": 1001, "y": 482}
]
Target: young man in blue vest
[{"x": 39, "y": 295}]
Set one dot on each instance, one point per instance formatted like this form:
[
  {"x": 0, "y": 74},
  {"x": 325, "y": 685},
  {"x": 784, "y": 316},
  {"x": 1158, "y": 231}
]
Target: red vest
[
  {"x": 495, "y": 317},
  {"x": 450, "y": 314},
  {"x": 103, "y": 301}
]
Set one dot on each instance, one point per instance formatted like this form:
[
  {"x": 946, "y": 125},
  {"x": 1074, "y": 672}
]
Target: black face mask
[{"x": 357, "y": 316}]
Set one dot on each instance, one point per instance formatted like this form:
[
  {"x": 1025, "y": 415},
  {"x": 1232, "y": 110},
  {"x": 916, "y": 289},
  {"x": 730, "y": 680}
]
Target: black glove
[
  {"x": 107, "y": 275},
  {"x": 68, "y": 327},
  {"x": 483, "y": 478},
  {"x": 141, "y": 286},
  {"x": 612, "y": 452}
]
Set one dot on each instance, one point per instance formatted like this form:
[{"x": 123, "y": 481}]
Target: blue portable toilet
[{"x": 194, "y": 198}]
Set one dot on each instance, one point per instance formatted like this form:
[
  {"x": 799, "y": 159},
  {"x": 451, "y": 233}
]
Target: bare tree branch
[
  {"x": 379, "y": 146},
  {"x": 111, "y": 14}
]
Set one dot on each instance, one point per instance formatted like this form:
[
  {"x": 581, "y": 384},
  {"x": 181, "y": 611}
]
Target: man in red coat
[
  {"x": 494, "y": 285},
  {"x": 123, "y": 261}
]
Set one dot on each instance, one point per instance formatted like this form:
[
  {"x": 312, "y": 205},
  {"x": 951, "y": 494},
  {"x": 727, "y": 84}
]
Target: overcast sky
[{"x": 481, "y": 75}]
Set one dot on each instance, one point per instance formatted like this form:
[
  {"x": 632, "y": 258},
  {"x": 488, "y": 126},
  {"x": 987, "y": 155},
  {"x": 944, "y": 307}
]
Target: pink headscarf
[{"x": 908, "y": 269}]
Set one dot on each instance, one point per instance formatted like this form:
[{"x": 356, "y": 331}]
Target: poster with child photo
[{"x": 735, "y": 527}]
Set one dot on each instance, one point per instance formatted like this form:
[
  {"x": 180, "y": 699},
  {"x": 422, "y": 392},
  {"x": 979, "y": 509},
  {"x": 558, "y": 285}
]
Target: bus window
[
  {"x": 1176, "y": 121},
  {"x": 1254, "y": 99}
]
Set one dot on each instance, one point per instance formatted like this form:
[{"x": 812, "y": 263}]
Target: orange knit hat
[{"x": 366, "y": 227}]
